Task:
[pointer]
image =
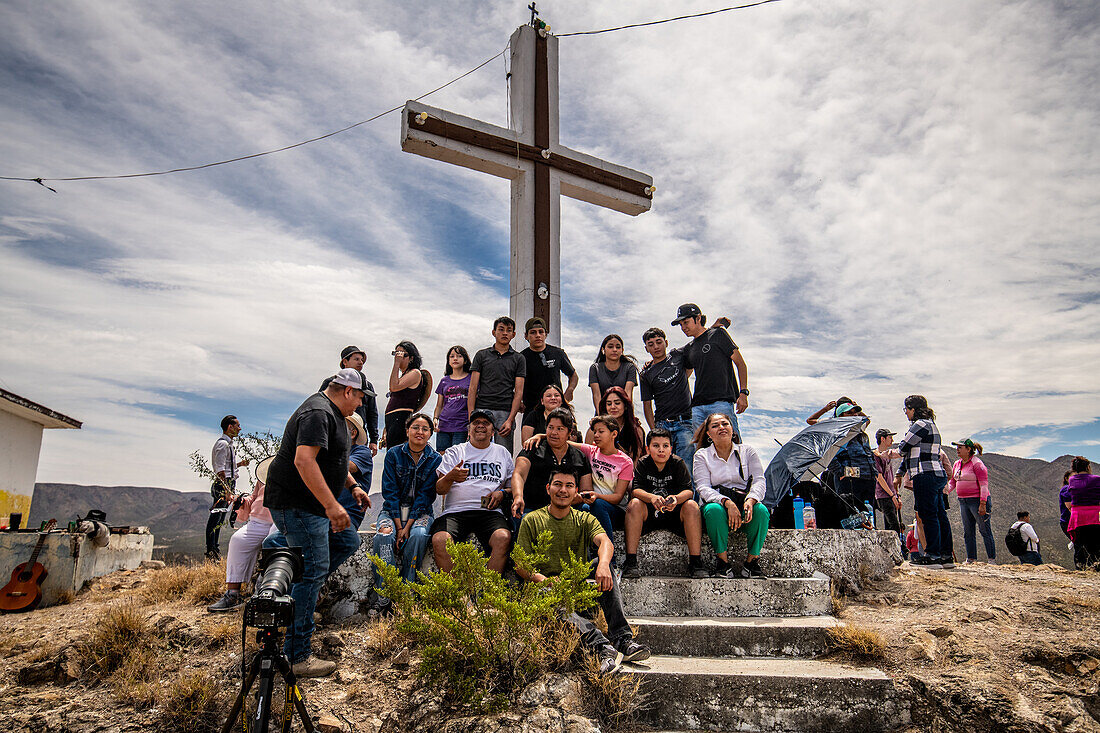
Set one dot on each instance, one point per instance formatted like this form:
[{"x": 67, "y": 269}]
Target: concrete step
[
  {"x": 752, "y": 694},
  {"x": 726, "y": 597},
  {"x": 794, "y": 636}
]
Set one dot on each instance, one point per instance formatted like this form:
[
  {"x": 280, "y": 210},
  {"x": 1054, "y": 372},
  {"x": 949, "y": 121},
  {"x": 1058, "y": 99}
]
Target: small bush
[
  {"x": 857, "y": 642},
  {"x": 120, "y": 634},
  {"x": 614, "y": 700},
  {"x": 190, "y": 703},
  {"x": 199, "y": 584},
  {"x": 481, "y": 653}
]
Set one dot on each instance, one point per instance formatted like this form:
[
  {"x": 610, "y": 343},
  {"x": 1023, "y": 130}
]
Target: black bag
[{"x": 1015, "y": 541}]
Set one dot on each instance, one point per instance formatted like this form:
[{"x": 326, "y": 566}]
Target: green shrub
[{"x": 483, "y": 640}]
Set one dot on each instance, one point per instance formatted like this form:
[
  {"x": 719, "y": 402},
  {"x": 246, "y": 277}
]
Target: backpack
[{"x": 1015, "y": 541}]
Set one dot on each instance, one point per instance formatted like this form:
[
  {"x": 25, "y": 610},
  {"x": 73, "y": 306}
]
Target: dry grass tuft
[
  {"x": 199, "y": 584},
  {"x": 837, "y": 601},
  {"x": 857, "y": 642},
  {"x": 222, "y": 631},
  {"x": 121, "y": 634},
  {"x": 614, "y": 700},
  {"x": 382, "y": 638},
  {"x": 65, "y": 597},
  {"x": 355, "y": 691},
  {"x": 190, "y": 702}
]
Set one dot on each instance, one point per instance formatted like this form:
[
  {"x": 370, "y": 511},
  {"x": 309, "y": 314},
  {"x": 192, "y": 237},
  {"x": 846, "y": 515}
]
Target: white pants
[{"x": 244, "y": 550}]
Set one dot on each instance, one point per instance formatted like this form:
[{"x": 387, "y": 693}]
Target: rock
[
  {"x": 981, "y": 614},
  {"x": 550, "y": 691},
  {"x": 920, "y": 652},
  {"x": 346, "y": 677},
  {"x": 38, "y": 673},
  {"x": 402, "y": 658},
  {"x": 941, "y": 632},
  {"x": 328, "y": 724},
  {"x": 153, "y": 564},
  {"x": 170, "y": 627},
  {"x": 68, "y": 663},
  {"x": 333, "y": 640},
  {"x": 579, "y": 724}
]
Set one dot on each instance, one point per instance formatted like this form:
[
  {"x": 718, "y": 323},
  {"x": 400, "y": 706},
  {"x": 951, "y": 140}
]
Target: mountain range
[{"x": 178, "y": 519}]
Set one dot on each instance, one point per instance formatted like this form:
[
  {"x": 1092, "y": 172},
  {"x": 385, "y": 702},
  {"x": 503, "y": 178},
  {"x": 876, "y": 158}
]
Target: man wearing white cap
[{"x": 306, "y": 477}]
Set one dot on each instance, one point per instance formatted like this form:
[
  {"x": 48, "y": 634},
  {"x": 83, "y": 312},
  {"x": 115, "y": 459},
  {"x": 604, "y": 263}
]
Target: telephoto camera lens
[
  {"x": 271, "y": 606},
  {"x": 281, "y": 567}
]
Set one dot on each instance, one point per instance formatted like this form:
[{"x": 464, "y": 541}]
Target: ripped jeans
[{"x": 412, "y": 550}]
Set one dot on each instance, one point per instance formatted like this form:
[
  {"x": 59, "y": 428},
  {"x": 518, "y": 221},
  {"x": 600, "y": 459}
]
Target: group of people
[{"x": 690, "y": 474}]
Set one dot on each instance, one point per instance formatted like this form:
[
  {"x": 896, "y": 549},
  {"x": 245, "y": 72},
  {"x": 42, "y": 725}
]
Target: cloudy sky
[{"x": 885, "y": 198}]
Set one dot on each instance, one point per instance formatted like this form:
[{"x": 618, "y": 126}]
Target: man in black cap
[
  {"x": 713, "y": 355},
  {"x": 887, "y": 501},
  {"x": 355, "y": 358}
]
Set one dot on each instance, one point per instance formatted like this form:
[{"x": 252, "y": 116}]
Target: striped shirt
[{"x": 920, "y": 450}]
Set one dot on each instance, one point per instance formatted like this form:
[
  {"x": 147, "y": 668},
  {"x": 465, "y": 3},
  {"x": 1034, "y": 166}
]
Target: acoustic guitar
[{"x": 24, "y": 591}]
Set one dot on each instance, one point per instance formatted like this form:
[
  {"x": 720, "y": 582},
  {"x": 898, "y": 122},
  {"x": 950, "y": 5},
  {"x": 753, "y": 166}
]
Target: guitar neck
[{"x": 41, "y": 541}]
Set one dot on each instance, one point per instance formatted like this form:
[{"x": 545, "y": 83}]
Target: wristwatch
[{"x": 745, "y": 392}]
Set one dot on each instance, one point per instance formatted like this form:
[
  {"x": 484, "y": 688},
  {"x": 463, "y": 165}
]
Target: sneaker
[
  {"x": 609, "y": 659},
  {"x": 751, "y": 569},
  {"x": 631, "y": 569},
  {"x": 947, "y": 563},
  {"x": 723, "y": 569},
  {"x": 631, "y": 650},
  {"x": 697, "y": 571},
  {"x": 231, "y": 601},
  {"x": 924, "y": 561},
  {"x": 313, "y": 667}
]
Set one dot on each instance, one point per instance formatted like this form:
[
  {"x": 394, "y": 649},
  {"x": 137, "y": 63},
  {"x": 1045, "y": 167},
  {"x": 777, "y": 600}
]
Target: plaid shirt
[{"x": 920, "y": 450}]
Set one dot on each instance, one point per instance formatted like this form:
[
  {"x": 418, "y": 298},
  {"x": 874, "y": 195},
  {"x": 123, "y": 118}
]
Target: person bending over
[
  {"x": 474, "y": 478},
  {"x": 579, "y": 532},
  {"x": 730, "y": 480},
  {"x": 662, "y": 498}
]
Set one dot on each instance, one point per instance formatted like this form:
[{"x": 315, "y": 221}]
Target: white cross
[{"x": 539, "y": 168}]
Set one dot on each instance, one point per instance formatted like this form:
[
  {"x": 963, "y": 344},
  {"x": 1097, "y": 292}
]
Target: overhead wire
[{"x": 40, "y": 180}]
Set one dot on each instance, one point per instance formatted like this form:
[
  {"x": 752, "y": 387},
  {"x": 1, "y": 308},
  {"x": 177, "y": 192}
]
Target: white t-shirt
[
  {"x": 490, "y": 469},
  {"x": 1028, "y": 531}
]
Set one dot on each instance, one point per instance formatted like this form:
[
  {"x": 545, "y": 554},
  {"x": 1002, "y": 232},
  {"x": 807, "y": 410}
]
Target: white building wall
[{"x": 20, "y": 443}]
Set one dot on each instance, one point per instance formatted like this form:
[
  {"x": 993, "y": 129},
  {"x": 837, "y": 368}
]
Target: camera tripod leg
[
  {"x": 293, "y": 696},
  {"x": 238, "y": 704}
]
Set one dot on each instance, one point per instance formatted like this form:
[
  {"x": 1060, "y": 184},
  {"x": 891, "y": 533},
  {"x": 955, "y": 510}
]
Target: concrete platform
[
  {"x": 722, "y": 597},
  {"x": 750, "y": 694},
  {"x": 793, "y": 636}
]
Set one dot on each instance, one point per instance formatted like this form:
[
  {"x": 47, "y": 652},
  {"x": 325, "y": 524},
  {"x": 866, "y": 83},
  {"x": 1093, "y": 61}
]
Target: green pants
[{"x": 717, "y": 524}]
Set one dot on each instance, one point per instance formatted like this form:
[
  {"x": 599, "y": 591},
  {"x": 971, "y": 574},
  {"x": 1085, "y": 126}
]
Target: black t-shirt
[
  {"x": 317, "y": 422},
  {"x": 666, "y": 383},
  {"x": 543, "y": 461},
  {"x": 599, "y": 374},
  {"x": 543, "y": 368},
  {"x": 368, "y": 410},
  {"x": 709, "y": 355},
  {"x": 536, "y": 420},
  {"x": 672, "y": 480},
  {"x": 497, "y": 384}
]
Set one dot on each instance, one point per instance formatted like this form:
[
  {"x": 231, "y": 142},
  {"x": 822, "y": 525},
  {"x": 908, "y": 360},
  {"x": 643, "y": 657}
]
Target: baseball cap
[
  {"x": 483, "y": 414},
  {"x": 687, "y": 310},
  {"x": 352, "y": 378},
  {"x": 349, "y": 350},
  {"x": 535, "y": 322},
  {"x": 882, "y": 433},
  {"x": 965, "y": 443}
]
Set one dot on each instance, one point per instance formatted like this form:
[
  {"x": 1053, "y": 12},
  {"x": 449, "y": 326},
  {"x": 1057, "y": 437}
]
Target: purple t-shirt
[{"x": 453, "y": 418}]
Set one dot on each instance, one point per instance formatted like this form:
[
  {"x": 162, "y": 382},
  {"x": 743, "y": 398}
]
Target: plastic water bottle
[
  {"x": 809, "y": 516},
  {"x": 799, "y": 508},
  {"x": 869, "y": 514}
]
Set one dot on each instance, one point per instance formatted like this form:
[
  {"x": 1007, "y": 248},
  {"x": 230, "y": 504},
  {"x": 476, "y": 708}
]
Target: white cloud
[{"x": 886, "y": 199}]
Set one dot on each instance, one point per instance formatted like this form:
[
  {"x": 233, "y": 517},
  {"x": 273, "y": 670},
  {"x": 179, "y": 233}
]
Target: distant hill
[{"x": 178, "y": 519}]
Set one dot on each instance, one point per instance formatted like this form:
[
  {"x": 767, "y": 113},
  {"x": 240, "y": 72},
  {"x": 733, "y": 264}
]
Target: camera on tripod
[{"x": 271, "y": 606}]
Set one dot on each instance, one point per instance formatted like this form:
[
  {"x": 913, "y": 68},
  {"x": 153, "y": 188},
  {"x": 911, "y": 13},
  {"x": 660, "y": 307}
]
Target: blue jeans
[
  {"x": 682, "y": 433},
  {"x": 928, "y": 498},
  {"x": 323, "y": 552},
  {"x": 1031, "y": 558},
  {"x": 969, "y": 509},
  {"x": 444, "y": 440},
  {"x": 412, "y": 551},
  {"x": 610, "y": 516},
  {"x": 699, "y": 414}
]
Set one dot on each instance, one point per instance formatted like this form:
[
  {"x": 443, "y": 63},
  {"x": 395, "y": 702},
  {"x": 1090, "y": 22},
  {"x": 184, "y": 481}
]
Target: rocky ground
[
  {"x": 979, "y": 648},
  {"x": 990, "y": 648}
]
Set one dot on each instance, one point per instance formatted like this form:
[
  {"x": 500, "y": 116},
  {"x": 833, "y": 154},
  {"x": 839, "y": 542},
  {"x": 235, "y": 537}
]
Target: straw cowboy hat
[
  {"x": 361, "y": 436},
  {"x": 261, "y": 469}
]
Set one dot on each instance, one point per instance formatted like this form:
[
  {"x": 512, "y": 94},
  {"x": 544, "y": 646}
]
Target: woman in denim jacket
[{"x": 408, "y": 490}]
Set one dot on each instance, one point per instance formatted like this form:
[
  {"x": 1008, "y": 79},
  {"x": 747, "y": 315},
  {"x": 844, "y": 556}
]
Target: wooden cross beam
[{"x": 539, "y": 167}]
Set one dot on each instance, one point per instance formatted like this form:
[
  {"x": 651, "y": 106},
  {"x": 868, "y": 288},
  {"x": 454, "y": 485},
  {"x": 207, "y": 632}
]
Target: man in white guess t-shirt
[{"x": 474, "y": 481}]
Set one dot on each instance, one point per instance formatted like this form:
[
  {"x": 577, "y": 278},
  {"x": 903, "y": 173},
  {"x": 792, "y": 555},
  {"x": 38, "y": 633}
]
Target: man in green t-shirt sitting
[{"x": 578, "y": 531}]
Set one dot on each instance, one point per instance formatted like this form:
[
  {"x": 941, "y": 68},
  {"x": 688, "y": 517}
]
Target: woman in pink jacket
[{"x": 970, "y": 480}]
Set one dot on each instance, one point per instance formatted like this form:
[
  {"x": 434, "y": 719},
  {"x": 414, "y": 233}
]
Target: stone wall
[{"x": 848, "y": 557}]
